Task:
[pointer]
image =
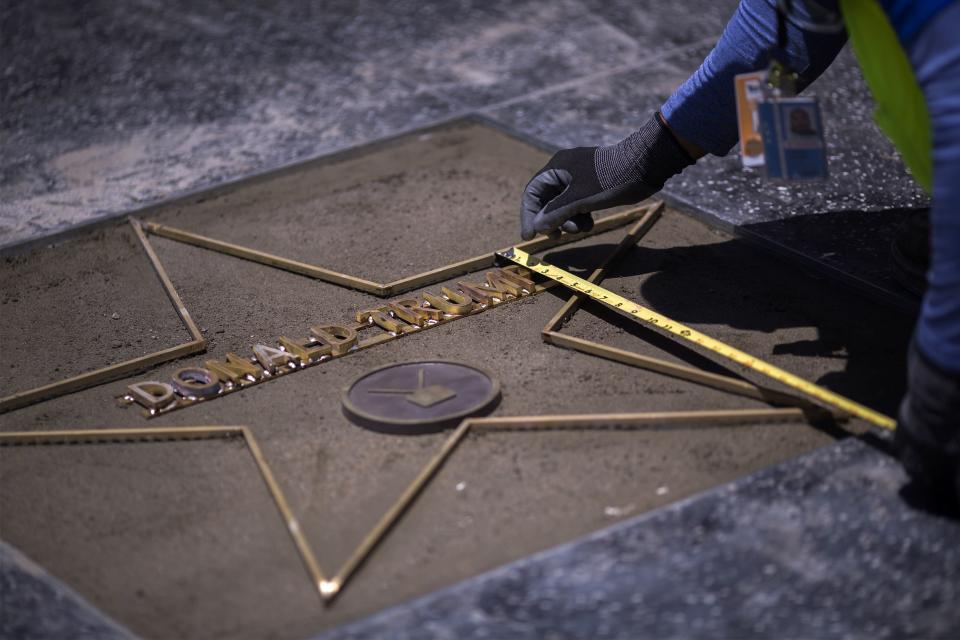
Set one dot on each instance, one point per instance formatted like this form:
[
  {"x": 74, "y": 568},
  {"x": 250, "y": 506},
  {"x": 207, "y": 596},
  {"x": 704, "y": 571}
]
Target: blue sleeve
[
  {"x": 703, "y": 109},
  {"x": 908, "y": 17}
]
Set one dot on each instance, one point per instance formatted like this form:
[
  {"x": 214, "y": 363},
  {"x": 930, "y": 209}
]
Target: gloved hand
[
  {"x": 927, "y": 437},
  {"x": 577, "y": 181}
]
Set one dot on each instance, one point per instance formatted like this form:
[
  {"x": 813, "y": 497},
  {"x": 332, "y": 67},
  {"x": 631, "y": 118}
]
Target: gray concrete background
[{"x": 35, "y": 605}]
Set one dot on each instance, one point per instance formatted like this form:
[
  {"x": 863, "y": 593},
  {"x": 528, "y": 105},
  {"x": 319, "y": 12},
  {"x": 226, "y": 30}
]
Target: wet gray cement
[
  {"x": 428, "y": 199},
  {"x": 95, "y": 299},
  {"x": 181, "y": 538}
]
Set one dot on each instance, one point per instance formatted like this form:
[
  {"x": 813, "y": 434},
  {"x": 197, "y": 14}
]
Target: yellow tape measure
[{"x": 642, "y": 314}]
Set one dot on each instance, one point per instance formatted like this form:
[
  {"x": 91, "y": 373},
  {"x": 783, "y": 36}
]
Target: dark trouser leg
[{"x": 929, "y": 429}]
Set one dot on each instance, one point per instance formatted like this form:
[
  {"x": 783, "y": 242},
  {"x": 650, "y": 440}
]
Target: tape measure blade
[{"x": 642, "y": 314}]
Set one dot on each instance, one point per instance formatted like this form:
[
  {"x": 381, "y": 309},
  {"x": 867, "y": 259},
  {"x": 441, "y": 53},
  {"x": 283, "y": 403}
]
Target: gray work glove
[
  {"x": 927, "y": 437},
  {"x": 577, "y": 181}
]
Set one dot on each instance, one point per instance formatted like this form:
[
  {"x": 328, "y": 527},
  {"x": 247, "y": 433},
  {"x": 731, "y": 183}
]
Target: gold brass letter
[
  {"x": 234, "y": 369},
  {"x": 383, "y": 320},
  {"x": 500, "y": 283},
  {"x": 480, "y": 293},
  {"x": 305, "y": 349},
  {"x": 511, "y": 282},
  {"x": 339, "y": 339},
  {"x": 196, "y": 382},
  {"x": 151, "y": 394},
  {"x": 270, "y": 357},
  {"x": 455, "y": 304},
  {"x": 409, "y": 310},
  {"x": 517, "y": 270}
]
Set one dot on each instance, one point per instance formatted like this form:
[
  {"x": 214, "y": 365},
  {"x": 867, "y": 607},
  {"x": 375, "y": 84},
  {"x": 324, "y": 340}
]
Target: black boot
[{"x": 928, "y": 427}]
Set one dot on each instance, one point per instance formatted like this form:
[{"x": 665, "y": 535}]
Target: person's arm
[
  {"x": 703, "y": 109},
  {"x": 700, "y": 117}
]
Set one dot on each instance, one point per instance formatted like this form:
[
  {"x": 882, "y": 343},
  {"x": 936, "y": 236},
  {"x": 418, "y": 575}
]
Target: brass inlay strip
[
  {"x": 77, "y": 436},
  {"x": 329, "y": 588},
  {"x": 105, "y": 374},
  {"x": 262, "y": 257},
  {"x": 551, "y": 335},
  {"x": 632, "y": 237},
  {"x": 165, "y": 281},
  {"x": 660, "y": 418},
  {"x": 386, "y": 289}
]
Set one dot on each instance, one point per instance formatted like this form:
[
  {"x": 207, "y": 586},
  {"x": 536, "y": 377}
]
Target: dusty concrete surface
[
  {"x": 182, "y": 540},
  {"x": 86, "y": 303},
  {"x": 427, "y": 199}
]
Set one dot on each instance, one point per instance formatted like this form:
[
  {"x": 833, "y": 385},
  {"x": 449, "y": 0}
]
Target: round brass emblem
[{"x": 419, "y": 397}]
